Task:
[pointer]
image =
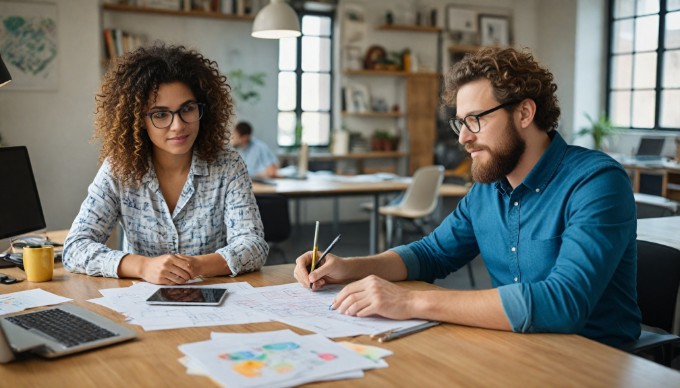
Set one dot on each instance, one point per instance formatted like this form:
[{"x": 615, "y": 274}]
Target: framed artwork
[
  {"x": 461, "y": 19},
  {"x": 28, "y": 44},
  {"x": 357, "y": 98},
  {"x": 494, "y": 30}
]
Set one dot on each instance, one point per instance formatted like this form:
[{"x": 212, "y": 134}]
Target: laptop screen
[
  {"x": 650, "y": 146},
  {"x": 20, "y": 209}
]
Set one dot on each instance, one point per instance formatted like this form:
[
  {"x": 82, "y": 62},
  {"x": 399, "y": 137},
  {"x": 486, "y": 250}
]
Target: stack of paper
[
  {"x": 278, "y": 359},
  {"x": 22, "y": 300},
  {"x": 131, "y": 301}
]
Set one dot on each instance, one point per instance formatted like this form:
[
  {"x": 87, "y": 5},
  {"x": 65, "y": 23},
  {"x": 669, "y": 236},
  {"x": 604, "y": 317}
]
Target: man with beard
[{"x": 555, "y": 224}]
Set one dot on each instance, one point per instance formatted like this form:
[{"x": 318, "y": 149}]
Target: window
[
  {"x": 305, "y": 64},
  {"x": 644, "y": 64}
]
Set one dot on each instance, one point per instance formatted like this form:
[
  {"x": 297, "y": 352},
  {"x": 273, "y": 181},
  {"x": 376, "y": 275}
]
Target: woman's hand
[{"x": 169, "y": 269}]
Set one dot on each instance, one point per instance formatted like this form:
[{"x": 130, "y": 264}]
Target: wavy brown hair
[
  {"x": 133, "y": 81},
  {"x": 514, "y": 76}
]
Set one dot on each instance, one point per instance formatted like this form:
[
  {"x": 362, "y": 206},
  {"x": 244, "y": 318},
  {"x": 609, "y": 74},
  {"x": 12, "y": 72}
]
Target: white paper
[
  {"x": 273, "y": 359},
  {"x": 299, "y": 306},
  {"x": 22, "y": 300},
  {"x": 131, "y": 301}
]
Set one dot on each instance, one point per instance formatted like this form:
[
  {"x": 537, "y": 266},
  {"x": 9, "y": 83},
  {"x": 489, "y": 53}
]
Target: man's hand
[
  {"x": 374, "y": 296},
  {"x": 333, "y": 270},
  {"x": 169, "y": 269}
]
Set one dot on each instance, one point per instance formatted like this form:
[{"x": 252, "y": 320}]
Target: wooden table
[
  {"x": 314, "y": 188},
  {"x": 669, "y": 173},
  {"x": 444, "y": 356}
]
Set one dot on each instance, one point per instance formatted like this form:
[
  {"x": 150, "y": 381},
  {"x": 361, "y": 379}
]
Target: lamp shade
[
  {"x": 276, "y": 21},
  {"x": 4, "y": 74}
]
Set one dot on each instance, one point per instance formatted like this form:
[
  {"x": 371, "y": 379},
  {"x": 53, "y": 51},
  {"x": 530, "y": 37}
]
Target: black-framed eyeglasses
[
  {"x": 190, "y": 112},
  {"x": 471, "y": 122}
]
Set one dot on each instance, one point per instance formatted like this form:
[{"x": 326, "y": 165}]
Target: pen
[
  {"x": 315, "y": 249},
  {"x": 327, "y": 251},
  {"x": 404, "y": 332}
]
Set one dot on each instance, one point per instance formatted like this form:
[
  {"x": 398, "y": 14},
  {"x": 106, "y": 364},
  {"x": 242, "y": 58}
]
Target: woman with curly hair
[{"x": 183, "y": 198}]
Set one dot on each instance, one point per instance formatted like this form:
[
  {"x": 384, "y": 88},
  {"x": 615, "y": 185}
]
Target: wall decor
[
  {"x": 494, "y": 30},
  {"x": 28, "y": 44}
]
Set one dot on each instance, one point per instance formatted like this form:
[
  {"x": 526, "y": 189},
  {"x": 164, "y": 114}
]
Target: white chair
[
  {"x": 419, "y": 201},
  {"x": 655, "y": 206}
]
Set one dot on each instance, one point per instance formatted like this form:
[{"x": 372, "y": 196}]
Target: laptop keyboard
[{"x": 67, "y": 329}]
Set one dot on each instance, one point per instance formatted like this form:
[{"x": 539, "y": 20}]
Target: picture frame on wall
[
  {"x": 461, "y": 19},
  {"x": 357, "y": 98},
  {"x": 494, "y": 30}
]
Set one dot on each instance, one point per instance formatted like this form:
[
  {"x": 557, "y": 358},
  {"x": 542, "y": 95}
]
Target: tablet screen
[{"x": 192, "y": 296}]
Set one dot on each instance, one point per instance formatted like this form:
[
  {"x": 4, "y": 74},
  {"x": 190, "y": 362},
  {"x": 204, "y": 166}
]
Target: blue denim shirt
[{"x": 560, "y": 247}]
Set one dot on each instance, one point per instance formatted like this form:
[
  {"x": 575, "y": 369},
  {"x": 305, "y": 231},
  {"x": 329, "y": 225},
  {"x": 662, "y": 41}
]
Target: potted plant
[
  {"x": 244, "y": 86},
  {"x": 599, "y": 129}
]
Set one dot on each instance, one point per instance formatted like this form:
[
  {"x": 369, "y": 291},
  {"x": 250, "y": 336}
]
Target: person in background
[
  {"x": 555, "y": 224},
  {"x": 183, "y": 198},
  {"x": 260, "y": 160}
]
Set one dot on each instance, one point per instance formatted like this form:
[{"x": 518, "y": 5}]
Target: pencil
[
  {"x": 315, "y": 249},
  {"x": 404, "y": 332}
]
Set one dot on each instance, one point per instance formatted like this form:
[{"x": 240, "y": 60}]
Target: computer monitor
[{"x": 20, "y": 208}]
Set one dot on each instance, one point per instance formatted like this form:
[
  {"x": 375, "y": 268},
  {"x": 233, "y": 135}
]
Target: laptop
[
  {"x": 57, "y": 331},
  {"x": 650, "y": 149}
]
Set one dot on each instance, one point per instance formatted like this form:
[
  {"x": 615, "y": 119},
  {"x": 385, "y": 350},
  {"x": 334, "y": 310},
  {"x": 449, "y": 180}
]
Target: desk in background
[
  {"x": 447, "y": 355},
  {"x": 669, "y": 173},
  {"x": 358, "y": 157},
  {"x": 661, "y": 230},
  {"x": 315, "y": 188}
]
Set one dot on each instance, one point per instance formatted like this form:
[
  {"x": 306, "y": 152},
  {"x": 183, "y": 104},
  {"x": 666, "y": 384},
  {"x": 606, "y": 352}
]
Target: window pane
[
  {"x": 316, "y": 91},
  {"x": 672, "y": 36},
  {"x": 673, "y": 5},
  {"x": 316, "y": 128},
  {"x": 623, "y": 36},
  {"x": 645, "y": 71},
  {"x": 288, "y": 54},
  {"x": 622, "y": 71},
  {"x": 619, "y": 110},
  {"x": 286, "y": 130},
  {"x": 287, "y": 91},
  {"x": 316, "y": 25},
  {"x": 671, "y": 69},
  {"x": 316, "y": 54},
  {"x": 646, "y": 33},
  {"x": 670, "y": 114},
  {"x": 645, "y": 7},
  {"x": 643, "y": 109},
  {"x": 623, "y": 8}
]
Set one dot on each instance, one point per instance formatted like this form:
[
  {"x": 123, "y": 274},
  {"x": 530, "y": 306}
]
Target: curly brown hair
[
  {"x": 514, "y": 76},
  {"x": 124, "y": 95}
]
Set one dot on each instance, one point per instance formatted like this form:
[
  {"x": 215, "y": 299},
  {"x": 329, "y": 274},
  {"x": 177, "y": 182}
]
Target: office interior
[{"x": 570, "y": 37}]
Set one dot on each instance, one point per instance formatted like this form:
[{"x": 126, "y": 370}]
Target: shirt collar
[
  {"x": 199, "y": 167},
  {"x": 541, "y": 174}
]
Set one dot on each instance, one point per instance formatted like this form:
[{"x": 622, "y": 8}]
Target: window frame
[
  {"x": 660, "y": 54},
  {"x": 298, "y": 74}
]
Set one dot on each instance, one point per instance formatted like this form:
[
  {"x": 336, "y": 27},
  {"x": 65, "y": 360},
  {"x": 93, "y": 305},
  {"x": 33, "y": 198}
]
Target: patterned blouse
[{"x": 216, "y": 212}]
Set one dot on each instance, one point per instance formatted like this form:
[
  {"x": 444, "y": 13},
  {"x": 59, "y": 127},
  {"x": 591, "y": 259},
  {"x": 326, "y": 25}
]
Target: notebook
[{"x": 57, "y": 331}]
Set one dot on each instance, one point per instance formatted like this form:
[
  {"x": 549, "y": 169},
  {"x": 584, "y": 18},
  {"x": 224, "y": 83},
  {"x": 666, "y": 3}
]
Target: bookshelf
[{"x": 171, "y": 12}]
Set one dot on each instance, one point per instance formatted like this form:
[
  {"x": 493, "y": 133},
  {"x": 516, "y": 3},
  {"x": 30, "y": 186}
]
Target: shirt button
[
  {"x": 516, "y": 203},
  {"x": 538, "y": 190},
  {"x": 516, "y": 280},
  {"x": 514, "y": 249}
]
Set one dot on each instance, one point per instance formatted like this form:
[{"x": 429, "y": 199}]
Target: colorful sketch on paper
[
  {"x": 28, "y": 44},
  {"x": 277, "y": 358}
]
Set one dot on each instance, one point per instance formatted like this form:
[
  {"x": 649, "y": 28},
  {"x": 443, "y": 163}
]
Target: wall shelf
[
  {"x": 464, "y": 48},
  {"x": 409, "y": 28},
  {"x": 392, "y": 73},
  {"x": 373, "y": 114},
  {"x": 161, "y": 11}
]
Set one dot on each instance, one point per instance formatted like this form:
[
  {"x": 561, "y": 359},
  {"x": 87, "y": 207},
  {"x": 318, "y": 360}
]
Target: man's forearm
[
  {"x": 471, "y": 308},
  {"x": 387, "y": 265}
]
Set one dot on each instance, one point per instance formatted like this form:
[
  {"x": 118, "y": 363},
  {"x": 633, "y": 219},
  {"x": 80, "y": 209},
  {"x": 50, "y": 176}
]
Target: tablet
[{"x": 188, "y": 296}]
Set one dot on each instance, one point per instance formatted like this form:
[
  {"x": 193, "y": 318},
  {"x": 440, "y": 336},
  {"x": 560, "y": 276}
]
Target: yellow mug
[{"x": 38, "y": 263}]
